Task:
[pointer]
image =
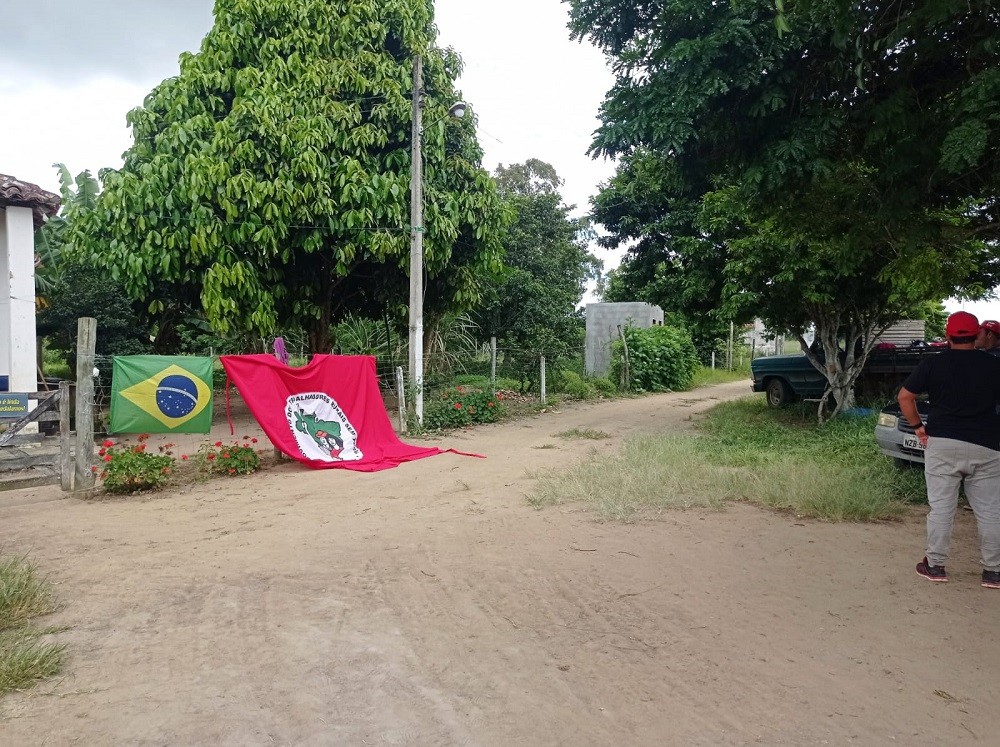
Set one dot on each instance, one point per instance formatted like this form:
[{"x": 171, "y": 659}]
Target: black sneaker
[
  {"x": 938, "y": 573},
  {"x": 991, "y": 579}
]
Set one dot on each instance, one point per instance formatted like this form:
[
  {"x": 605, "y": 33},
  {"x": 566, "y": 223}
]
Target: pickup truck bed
[{"x": 787, "y": 378}]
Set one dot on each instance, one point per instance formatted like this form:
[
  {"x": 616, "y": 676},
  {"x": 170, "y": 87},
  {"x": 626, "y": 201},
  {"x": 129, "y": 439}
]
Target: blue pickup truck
[{"x": 789, "y": 378}]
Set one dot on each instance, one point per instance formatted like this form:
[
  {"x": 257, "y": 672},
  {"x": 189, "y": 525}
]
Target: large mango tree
[{"x": 268, "y": 183}]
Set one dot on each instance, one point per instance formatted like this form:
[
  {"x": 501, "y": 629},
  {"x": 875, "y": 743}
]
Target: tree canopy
[
  {"x": 547, "y": 263},
  {"x": 838, "y": 162},
  {"x": 67, "y": 290},
  {"x": 268, "y": 182}
]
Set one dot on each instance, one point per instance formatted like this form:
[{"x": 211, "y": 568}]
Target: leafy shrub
[
  {"x": 460, "y": 406},
  {"x": 129, "y": 469},
  {"x": 604, "y": 386},
  {"x": 358, "y": 335},
  {"x": 661, "y": 359},
  {"x": 471, "y": 380},
  {"x": 576, "y": 387},
  {"x": 230, "y": 459}
]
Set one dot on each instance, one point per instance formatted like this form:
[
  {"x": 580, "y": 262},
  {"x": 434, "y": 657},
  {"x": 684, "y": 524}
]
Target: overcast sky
[{"x": 70, "y": 70}]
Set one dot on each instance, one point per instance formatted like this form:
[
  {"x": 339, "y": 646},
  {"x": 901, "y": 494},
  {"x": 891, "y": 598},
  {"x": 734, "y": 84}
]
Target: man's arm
[{"x": 908, "y": 404}]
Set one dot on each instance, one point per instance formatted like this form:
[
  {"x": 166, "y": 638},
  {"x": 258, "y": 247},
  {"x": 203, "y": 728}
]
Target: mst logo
[{"x": 321, "y": 428}]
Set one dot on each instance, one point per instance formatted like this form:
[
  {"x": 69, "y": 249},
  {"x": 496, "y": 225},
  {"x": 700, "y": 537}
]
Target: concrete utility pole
[{"x": 416, "y": 340}]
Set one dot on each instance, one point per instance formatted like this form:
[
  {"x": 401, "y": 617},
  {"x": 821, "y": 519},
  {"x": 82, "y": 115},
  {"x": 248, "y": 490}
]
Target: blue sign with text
[{"x": 13, "y": 406}]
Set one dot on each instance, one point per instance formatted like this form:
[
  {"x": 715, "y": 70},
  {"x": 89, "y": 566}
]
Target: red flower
[
  {"x": 211, "y": 456},
  {"x": 143, "y": 436},
  {"x": 108, "y": 443},
  {"x": 253, "y": 440},
  {"x": 232, "y": 471},
  {"x": 458, "y": 405},
  {"x": 102, "y": 452},
  {"x": 218, "y": 443},
  {"x": 489, "y": 404},
  {"x": 107, "y": 458},
  {"x": 225, "y": 455},
  {"x": 184, "y": 457},
  {"x": 94, "y": 470}
]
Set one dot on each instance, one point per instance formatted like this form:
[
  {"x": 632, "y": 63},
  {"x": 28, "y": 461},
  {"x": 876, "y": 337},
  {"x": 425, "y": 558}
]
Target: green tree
[
  {"x": 51, "y": 239},
  {"x": 67, "y": 290},
  {"x": 86, "y": 291},
  {"x": 845, "y": 157},
  {"x": 268, "y": 183},
  {"x": 531, "y": 308},
  {"x": 648, "y": 210}
]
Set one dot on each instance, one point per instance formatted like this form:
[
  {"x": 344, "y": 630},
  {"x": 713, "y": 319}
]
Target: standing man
[
  {"x": 962, "y": 436},
  {"x": 989, "y": 337}
]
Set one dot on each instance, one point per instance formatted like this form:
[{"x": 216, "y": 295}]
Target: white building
[{"x": 23, "y": 208}]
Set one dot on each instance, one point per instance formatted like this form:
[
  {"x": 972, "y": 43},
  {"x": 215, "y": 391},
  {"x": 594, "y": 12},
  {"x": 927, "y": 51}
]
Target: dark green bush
[
  {"x": 460, "y": 406},
  {"x": 661, "y": 359},
  {"x": 482, "y": 381},
  {"x": 604, "y": 386},
  {"x": 575, "y": 386}
]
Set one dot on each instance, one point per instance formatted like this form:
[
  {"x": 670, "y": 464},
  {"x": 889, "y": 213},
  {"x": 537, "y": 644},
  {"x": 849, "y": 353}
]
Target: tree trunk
[
  {"x": 320, "y": 339},
  {"x": 841, "y": 367}
]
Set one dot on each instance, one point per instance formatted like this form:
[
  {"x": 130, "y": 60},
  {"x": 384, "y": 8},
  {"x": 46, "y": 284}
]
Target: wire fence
[
  {"x": 509, "y": 369},
  {"x": 528, "y": 372},
  {"x": 530, "y": 375}
]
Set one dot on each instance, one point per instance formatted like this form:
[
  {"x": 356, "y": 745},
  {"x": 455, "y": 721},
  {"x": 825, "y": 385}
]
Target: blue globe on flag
[{"x": 176, "y": 395}]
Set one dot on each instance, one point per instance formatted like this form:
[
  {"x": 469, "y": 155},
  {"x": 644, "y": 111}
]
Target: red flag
[{"x": 326, "y": 414}]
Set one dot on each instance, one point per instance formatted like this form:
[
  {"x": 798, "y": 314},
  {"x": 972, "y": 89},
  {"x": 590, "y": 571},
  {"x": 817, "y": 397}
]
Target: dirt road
[{"x": 430, "y": 605}]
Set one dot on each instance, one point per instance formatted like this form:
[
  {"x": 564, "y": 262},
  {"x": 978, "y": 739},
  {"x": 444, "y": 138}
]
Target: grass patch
[
  {"x": 745, "y": 452},
  {"x": 706, "y": 376},
  {"x": 585, "y": 433},
  {"x": 650, "y": 473},
  {"x": 25, "y": 655}
]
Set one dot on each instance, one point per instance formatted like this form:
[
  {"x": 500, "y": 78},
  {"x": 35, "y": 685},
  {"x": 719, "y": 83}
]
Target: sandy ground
[{"x": 431, "y": 605}]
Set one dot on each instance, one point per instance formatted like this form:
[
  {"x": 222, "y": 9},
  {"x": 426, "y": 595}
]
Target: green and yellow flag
[{"x": 161, "y": 394}]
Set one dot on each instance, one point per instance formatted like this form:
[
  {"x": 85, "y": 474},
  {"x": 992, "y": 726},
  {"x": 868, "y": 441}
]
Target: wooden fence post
[
  {"x": 542, "y": 386},
  {"x": 65, "y": 442},
  {"x": 493, "y": 366},
  {"x": 86, "y": 342},
  {"x": 401, "y": 399},
  {"x": 626, "y": 377}
]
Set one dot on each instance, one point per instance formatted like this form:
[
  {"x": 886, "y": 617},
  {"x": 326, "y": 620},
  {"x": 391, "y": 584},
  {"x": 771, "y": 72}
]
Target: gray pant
[{"x": 946, "y": 465}]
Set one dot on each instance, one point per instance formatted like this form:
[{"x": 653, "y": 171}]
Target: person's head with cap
[
  {"x": 962, "y": 328},
  {"x": 989, "y": 335}
]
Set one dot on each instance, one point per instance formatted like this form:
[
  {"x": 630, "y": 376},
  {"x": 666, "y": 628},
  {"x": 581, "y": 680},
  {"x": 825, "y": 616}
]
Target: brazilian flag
[{"x": 161, "y": 394}]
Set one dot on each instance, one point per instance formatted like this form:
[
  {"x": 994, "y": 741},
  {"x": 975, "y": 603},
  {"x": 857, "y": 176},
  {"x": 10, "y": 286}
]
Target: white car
[{"x": 896, "y": 438}]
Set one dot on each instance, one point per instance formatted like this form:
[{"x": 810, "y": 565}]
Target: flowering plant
[
  {"x": 231, "y": 459},
  {"x": 129, "y": 469},
  {"x": 462, "y": 405}
]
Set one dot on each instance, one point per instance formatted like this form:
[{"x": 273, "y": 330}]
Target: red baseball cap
[
  {"x": 962, "y": 324},
  {"x": 991, "y": 325}
]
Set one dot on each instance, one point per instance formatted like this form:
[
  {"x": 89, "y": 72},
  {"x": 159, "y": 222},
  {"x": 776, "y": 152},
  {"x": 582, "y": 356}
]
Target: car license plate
[{"x": 912, "y": 442}]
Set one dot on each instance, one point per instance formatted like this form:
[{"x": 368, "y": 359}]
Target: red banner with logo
[{"x": 327, "y": 414}]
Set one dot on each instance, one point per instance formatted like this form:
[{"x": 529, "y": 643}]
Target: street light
[{"x": 416, "y": 336}]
